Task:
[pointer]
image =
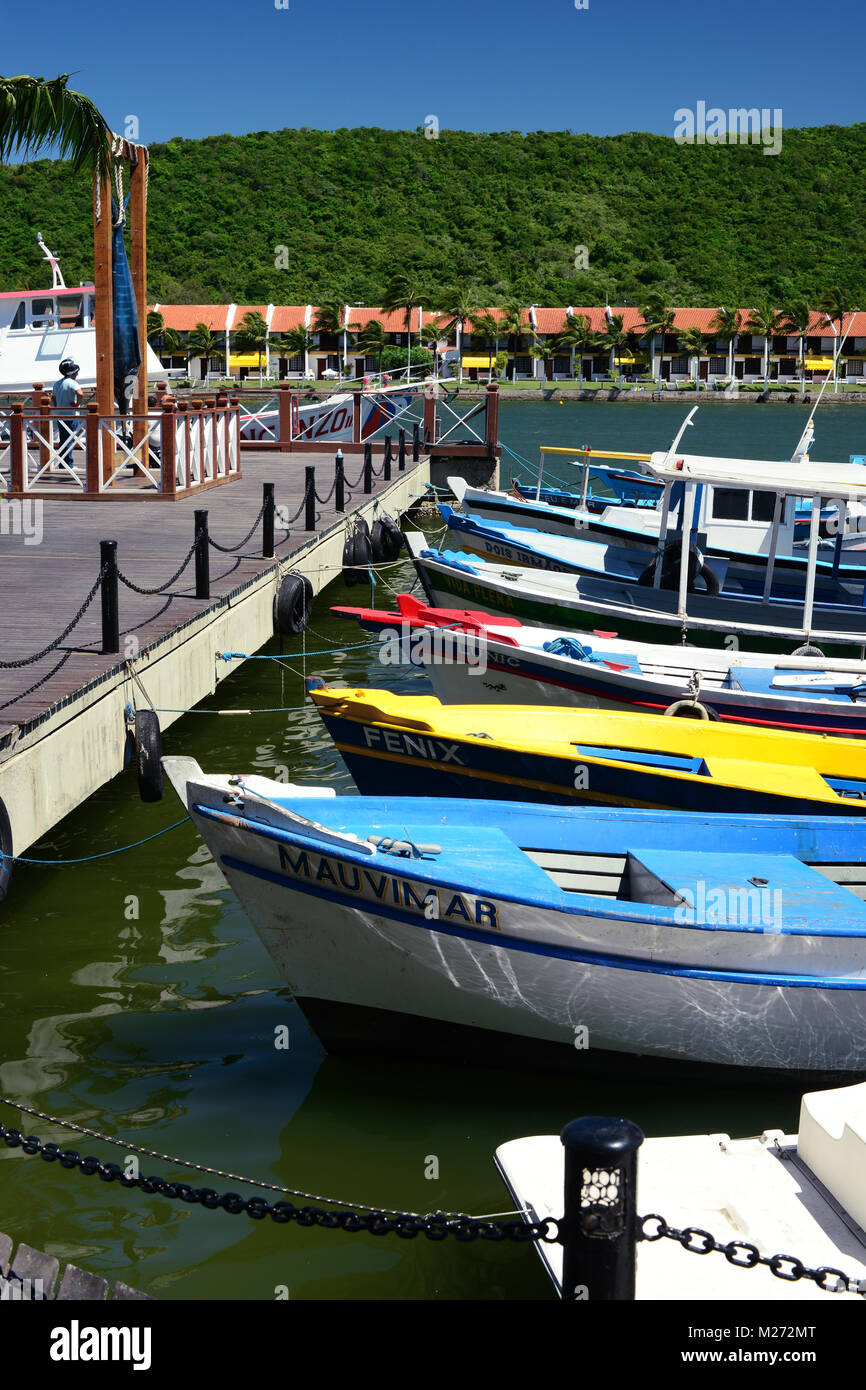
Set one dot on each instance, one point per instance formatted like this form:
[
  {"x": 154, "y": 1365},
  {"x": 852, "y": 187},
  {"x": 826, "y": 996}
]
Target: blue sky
[{"x": 618, "y": 65}]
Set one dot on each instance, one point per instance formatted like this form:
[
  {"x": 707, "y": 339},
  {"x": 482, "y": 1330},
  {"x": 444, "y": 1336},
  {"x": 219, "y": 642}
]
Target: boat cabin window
[
  {"x": 18, "y": 322},
  {"x": 735, "y": 504},
  {"x": 42, "y": 313},
  {"x": 71, "y": 311}
]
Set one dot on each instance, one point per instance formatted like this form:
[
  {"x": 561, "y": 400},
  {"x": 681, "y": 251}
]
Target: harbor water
[{"x": 137, "y": 1000}]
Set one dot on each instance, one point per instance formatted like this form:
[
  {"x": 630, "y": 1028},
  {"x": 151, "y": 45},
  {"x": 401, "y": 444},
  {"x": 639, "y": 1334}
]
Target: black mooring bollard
[
  {"x": 339, "y": 483},
  {"x": 310, "y": 498},
  {"x": 368, "y": 466},
  {"x": 268, "y": 521},
  {"x": 599, "y": 1227},
  {"x": 386, "y": 461},
  {"x": 416, "y": 442},
  {"x": 202, "y": 556},
  {"x": 401, "y": 450},
  {"x": 110, "y": 606}
]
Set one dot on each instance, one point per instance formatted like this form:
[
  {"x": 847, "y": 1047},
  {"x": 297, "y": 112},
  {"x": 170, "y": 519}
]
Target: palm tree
[
  {"x": 766, "y": 322},
  {"x": 331, "y": 318},
  {"x": 694, "y": 342},
  {"x": 796, "y": 320},
  {"x": 35, "y": 113},
  {"x": 296, "y": 343},
  {"x": 171, "y": 343},
  {"x": 836, "y": 303},
  {"x": 458, "y": 307},
  {"x": 576, "y": 334},
  {"x": 616, "y": 338},
  {"x": 155, "y": 326},
  {"x": 657, "y": 319},
  {"x": 372, "y": 341},
  {"x": 513, "y": 325},
  {"x": 403, "y": 293},
  {"x": 204, "y": 343},
  {"x": 487, "y": 327},
  {"x": 252, "y": 336},
  {"x": 726, "y": 324},
  {"x": 544, "y": 352}
]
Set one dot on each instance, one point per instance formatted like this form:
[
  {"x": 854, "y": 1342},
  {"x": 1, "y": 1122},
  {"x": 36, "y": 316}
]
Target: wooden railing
[{"x": 180, "y": 447}]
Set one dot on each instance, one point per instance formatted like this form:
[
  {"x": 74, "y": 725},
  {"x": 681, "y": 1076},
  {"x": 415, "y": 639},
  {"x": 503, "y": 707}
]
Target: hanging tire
[
  {"x": 148, "y": 755},
  {"x": 293, "y": 605},
  {"x": 691, "y": 709},
  {"x": 670, "y": 572},
  {"x": 395, "y": 538},
  {"x": 808, "y": 650},
  {"x": 711, "y": 579},
  {"x": 6, "y": 848},
  {"x": 379, "y": 542},
  {"x": 357, "y": 556}
]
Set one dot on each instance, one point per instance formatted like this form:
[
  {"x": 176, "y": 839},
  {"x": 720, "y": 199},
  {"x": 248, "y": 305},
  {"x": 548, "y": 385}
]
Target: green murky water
[{"x": 136, "y": 999}]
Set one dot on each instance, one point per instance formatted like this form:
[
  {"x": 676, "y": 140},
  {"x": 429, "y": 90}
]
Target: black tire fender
[
  {"x": 379, "y": 542},
  {"x": 396, "y": 540},
  {"x": 293, "y": 604},
  {"x": 148, "y": 755},
  {"x": 691, "y": 709}
]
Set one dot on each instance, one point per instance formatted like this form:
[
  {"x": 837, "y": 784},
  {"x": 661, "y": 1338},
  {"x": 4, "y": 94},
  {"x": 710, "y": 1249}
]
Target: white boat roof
[
  {"x": 763, "y": 475},
  {"x": 786, "y": 1195}
]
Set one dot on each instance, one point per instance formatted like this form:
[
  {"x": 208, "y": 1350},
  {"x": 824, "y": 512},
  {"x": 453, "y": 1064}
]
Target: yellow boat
[{"x": 413, "y": 745}]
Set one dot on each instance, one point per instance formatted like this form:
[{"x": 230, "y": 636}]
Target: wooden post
[
  {"x": 429, "y": 418},
  {"x": 40, "y": 410},
  {"x": 18, "y": 447},
  {"x": 182, "y": 464},
  {"x": 492, "y": 432},
  {"x": 167, "y": 439},
  {"x": 103, "y": 310},
  {"x": 356, "y": 417},
  {"x": 138, "y": 270},
  {"x": 91, "y": 447},
  {"x": 285, "y": 417}
]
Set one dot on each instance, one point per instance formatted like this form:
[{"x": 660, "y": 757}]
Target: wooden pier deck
[{"x": 171, "y": 638}]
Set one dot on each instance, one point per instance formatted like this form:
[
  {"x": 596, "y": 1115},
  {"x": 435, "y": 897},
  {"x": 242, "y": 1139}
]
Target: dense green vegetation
[{"x": 502, "y": 213}]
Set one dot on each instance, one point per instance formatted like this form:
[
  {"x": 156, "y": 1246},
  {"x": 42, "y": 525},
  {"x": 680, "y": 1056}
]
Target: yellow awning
[
  {"x": 245, "y": 359},
  {"x": 820, "y": 364},
  {"x": 480, "y": 361},
  {"x": 625, "y": 358}
]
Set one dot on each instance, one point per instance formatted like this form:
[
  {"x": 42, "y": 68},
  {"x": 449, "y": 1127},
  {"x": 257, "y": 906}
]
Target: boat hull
[{"x": 348, "y": 961}]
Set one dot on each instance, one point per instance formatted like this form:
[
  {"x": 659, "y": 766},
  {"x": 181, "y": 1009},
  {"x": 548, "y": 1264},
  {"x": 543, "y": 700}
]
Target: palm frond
[{"x": 35, "y": 114}]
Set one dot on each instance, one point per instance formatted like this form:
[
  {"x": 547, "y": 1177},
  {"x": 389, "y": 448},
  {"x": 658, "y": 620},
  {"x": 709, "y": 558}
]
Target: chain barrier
[
  {"x": 228, "y": 549},
  {"x": 292, "y": 519},
  {"x": 358, "y": 1217},
  {"x": 324, "y": 500},
  {"x": 357, "y": 482},
  {"x": 160, "y": 588},
  {"x": 52, "y": 646},
  {"x": 743, "y": 1255},
  {"x": 13, "y": 699}
]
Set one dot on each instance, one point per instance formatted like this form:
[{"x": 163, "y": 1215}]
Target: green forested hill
[{"x": 503, "y": 212}]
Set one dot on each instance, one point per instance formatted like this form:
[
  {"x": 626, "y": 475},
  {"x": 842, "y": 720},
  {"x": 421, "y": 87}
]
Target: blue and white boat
[{"x": 737, "y": 942}]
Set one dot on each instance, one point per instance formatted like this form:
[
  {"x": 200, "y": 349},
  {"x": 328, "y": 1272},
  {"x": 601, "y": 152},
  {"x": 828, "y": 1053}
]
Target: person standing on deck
[{"x": 66, "y": 394}]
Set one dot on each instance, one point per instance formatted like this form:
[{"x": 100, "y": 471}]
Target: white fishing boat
[
  {"x": 331, "y": 420},
  {"x": 478, "y": 658},
  {"x": 734, "y": 941},
  {"x": 800, "y": 1196},
  {"x": 40, "y": 328}
]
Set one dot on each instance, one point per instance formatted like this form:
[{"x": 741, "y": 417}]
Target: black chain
[
  {"x": 293, "y": 519},
  {"x": 435, "y": 1225},
  {"x": 745, "y": 1256},
  {"x": 160, "y": 588},
  {"x": 228, "y": 549},
  {"x": 324, "y": 500},
  {"x": 29, "y": 660},
  {"x": 357, "y": 480}
]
